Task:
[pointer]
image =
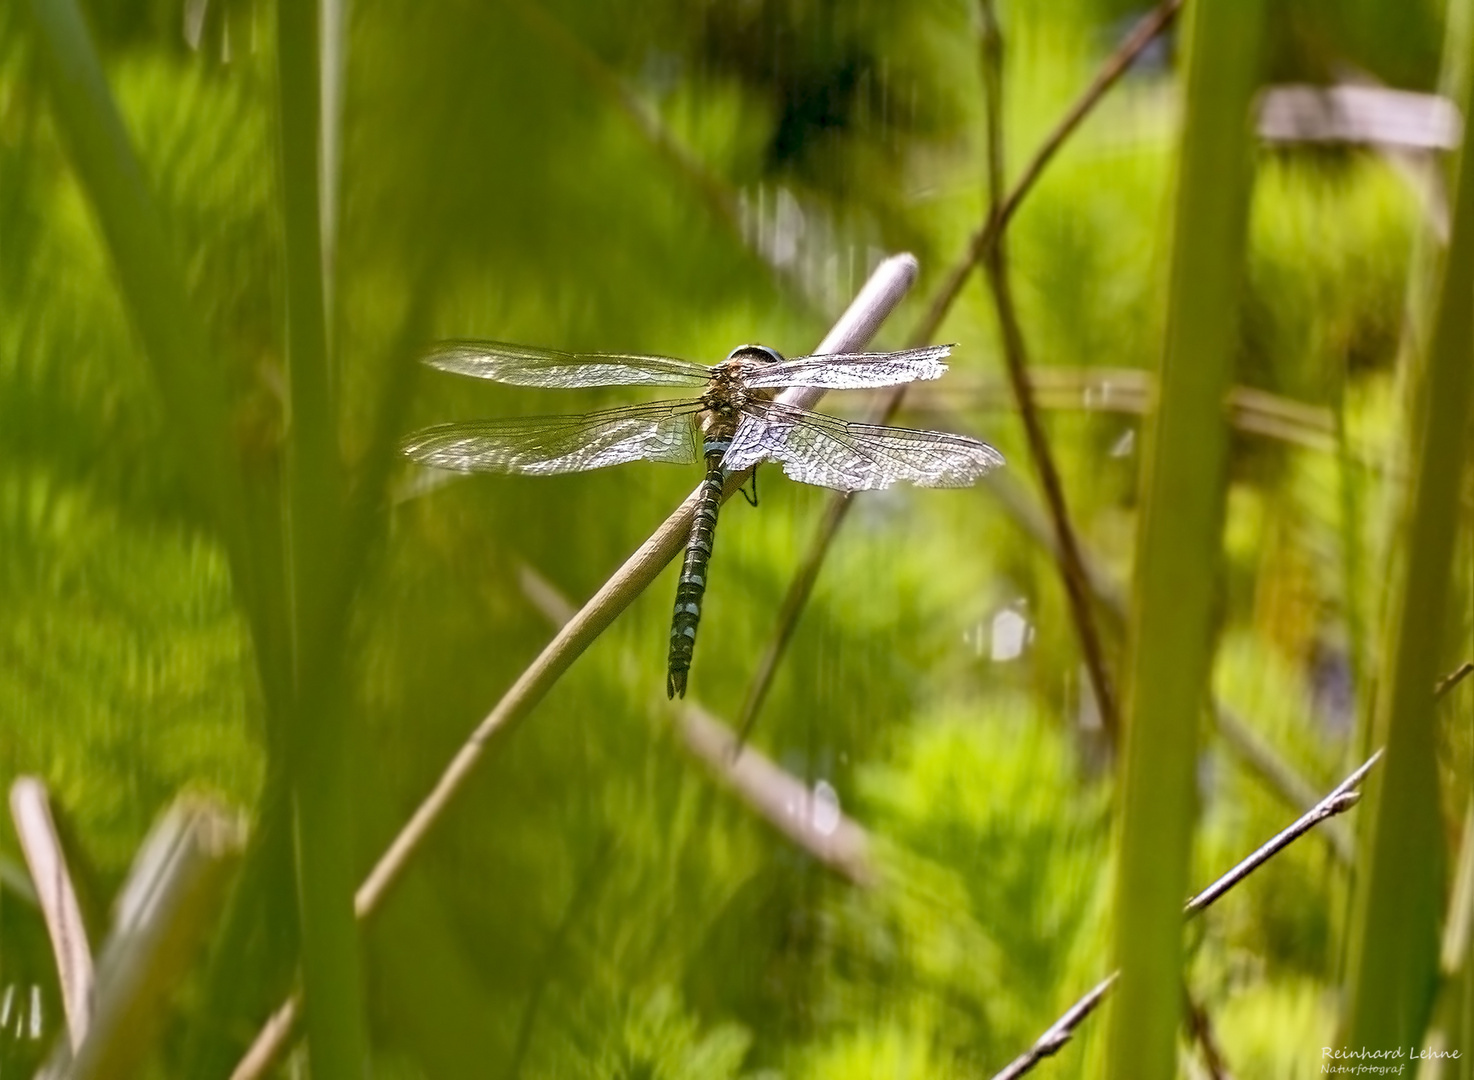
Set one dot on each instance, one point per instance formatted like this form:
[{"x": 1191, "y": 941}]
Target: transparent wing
[
  {"x": 538, "y": 445},
  {"x": 523, "y": 365},
  {"x": 834, "y": 453},
  {"x": 852, "y": 371}
]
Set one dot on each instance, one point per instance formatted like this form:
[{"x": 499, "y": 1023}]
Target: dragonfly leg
[{"x": 751, "y": 499}]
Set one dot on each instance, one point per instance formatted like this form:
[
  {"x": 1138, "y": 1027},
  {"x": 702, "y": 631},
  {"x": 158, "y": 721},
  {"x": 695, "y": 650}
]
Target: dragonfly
[{"x": 739, "y": 420}]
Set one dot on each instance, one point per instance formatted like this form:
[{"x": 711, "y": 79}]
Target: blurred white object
[
  {"x": 1011, "y": 632},
  {"x": 824, "y": 813},
  {"x": 1359, "y": 114}
]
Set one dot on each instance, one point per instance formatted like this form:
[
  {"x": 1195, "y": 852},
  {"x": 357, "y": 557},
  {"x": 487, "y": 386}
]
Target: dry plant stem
[
  {"x": 1130, "y": 390},
  {"x": 786, "y": 802},
  {"x": 30, "y": 809},
  {"x": 1015, "y": 354},
  {"x": 271, "y": 1040},
  {"x": 166, "y": 906},
  {"x": 887, "y": 285},
  {"x": 1142, "y": 35},
  {"x": 1341, "y": 799}
]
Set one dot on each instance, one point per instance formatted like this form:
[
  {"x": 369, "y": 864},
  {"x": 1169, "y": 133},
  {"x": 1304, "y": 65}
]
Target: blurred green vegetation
[{"x": 596, "y": 904}]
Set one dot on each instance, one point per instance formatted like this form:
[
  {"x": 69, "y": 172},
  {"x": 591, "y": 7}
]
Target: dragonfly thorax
[{"x": 728, "y": 393}]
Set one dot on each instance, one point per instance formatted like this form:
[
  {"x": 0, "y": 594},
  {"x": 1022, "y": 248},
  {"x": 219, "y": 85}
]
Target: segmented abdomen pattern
[{"x": 692, "y": 584}]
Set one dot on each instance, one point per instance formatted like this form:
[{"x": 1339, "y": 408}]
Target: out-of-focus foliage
[{"x": 596, "y": 904}]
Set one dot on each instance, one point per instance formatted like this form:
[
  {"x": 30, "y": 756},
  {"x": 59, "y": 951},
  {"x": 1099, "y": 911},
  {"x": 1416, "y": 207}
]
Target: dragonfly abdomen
[{"x": 692, "y": 584}]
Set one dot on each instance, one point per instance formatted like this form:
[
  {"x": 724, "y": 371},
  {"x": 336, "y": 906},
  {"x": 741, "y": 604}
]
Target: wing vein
[
  {"x": 525, "y": 365},
  {"x": 540, "y": 445},
  {"x": 850, "y": 456}
]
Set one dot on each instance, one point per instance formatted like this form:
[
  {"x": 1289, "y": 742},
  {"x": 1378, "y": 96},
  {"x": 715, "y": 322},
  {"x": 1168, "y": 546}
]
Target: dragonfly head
[{"x": 761, "y": 353}]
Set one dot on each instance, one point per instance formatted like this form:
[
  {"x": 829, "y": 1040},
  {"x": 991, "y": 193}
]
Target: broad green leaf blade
[
  {"x": 147, "y": 265},
  {"x": 1393, "y": 951},
  {"x": 1179, "y": 538},
  {"x": 316, "y": 726}
]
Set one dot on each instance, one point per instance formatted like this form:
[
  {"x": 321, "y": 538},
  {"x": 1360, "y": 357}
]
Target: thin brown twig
[
  {"x": 1200, "y": 1027},
  {"x": 1452, "y": 679},
  {"x": 1015, "y": 355},
  {"x": 990, "y": 49},
  {"x": 879, "y": 297},
  {"x": 796, "y": 599},
  {"x": 1060, "y": 1032},
  {"x": 1342, "y": 798},
  {"x": 1116, "y": 65},
  {"x": 1345, "y": 795}
]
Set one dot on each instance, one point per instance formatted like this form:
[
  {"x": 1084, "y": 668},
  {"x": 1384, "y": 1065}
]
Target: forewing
[
  {"x": 524, "y": 365},
  {"x": 834, "y": 453},
  {"x": 539, "y": 445},
  {"x": 852, "y": 371}
]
